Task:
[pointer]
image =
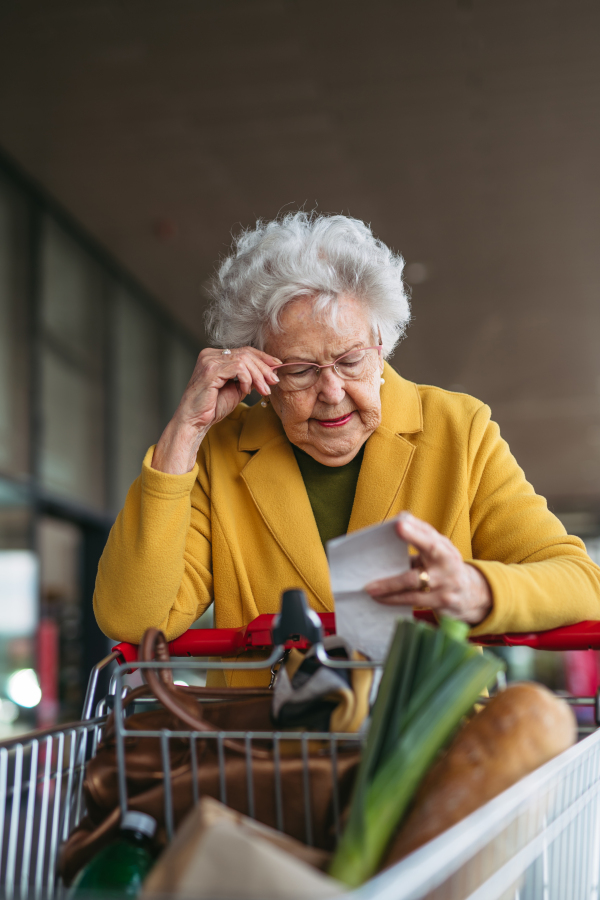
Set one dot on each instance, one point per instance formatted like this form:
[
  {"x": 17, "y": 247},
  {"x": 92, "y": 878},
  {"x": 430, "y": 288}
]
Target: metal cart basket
[{"x": 539, "y": 839}]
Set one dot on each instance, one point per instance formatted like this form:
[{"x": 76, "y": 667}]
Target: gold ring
[{"x": 424, "y": 586}]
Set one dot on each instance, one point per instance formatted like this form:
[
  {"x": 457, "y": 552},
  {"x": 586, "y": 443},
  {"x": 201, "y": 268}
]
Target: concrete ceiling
[{"x": 466, "y": 131}]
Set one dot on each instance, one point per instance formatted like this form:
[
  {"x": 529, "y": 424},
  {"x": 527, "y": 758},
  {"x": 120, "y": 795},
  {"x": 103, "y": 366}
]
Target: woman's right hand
[{"x": 218, "y": 383}]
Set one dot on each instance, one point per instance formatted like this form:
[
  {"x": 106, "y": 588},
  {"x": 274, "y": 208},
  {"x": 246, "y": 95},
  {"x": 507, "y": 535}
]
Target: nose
[{"x": 331, "y": 387}]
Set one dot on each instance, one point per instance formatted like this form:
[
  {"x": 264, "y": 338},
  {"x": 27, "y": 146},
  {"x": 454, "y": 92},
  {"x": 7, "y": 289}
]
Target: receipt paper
[{"x": 355, "y": 560}]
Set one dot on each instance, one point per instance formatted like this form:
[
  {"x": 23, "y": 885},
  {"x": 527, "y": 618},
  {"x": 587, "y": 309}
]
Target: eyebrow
[{"x": 292, "y": 359}]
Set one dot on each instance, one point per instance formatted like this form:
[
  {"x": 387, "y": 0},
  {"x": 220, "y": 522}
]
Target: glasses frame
[{"x": 316, "y": 366}]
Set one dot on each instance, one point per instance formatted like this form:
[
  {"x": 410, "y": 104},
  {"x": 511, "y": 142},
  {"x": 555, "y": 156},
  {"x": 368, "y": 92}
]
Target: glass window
[
  {"x": 16, "y": 512},
  {"x": 14, "y": 343},
  {"x": 138, "y": 389},
  {"x": 72, "y": 395},
  {"x": 180, "y": 362},
  {"x": 73, "y": 432},
  {"x": 72, "y": 298}
]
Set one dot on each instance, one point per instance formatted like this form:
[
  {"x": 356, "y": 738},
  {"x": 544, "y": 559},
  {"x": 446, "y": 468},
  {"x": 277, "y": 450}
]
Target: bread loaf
[{"x": 518, "y": 730}]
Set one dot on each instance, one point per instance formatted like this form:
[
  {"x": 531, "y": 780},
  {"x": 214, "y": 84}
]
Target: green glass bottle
[{"x": 119, "y": 869}]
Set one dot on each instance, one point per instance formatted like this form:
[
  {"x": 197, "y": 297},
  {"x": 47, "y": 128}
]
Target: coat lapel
[
  {"x": 388, "y": 454},
  {"x": 385, "y": 464},
  {"x": 273, "y": 478}
]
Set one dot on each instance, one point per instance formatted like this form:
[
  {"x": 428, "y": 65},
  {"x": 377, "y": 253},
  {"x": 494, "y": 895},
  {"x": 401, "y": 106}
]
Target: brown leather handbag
[{"x": 250, "y": 773}]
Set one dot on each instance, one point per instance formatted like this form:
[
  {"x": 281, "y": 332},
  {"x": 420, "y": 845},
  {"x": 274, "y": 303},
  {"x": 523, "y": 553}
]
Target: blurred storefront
[{"x": 90, "y": 370}]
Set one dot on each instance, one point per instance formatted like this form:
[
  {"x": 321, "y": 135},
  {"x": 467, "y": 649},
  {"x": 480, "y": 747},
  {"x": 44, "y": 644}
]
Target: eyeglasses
[{"x": 352, "y": 366}]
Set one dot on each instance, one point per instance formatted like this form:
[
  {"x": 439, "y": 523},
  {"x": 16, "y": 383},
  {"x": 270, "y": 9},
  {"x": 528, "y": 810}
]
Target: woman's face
[{"x": 308, "y": 417}]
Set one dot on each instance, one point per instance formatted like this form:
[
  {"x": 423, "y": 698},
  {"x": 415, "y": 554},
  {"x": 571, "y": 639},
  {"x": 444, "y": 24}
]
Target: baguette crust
[{"x": 520, "y": 729}]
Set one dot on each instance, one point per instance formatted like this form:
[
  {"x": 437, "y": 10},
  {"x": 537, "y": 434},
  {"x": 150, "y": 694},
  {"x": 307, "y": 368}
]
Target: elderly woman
[{"x": 234, "y": 503}]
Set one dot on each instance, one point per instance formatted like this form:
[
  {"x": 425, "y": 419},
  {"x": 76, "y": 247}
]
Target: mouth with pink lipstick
[{"x": 335, "y": 423}]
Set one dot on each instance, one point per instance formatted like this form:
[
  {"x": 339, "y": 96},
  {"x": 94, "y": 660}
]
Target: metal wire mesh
[
  {"x": 40, "y": 803},
  {"x": 540, "y": 840}
]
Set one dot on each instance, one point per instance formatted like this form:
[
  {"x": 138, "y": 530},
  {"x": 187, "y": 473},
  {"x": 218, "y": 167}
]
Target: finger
[
  {"x": 258, "y": 355},
  {"x": 264, "y": 361},
  {"x": 416, "y": 599},
  {"x": 220, "y": 372},
  {"x": 259, "y": 377},
  {"x": 398, "y": 584},
  {"x": 436, "y": 602},
  {"x": 270, "y": 377},
  {"x": 252, "y": 375},
  {"x": 405, "y": 599},
  {"x": 236, "y": 369},
  {"x": 245, "y": 379},
  {"x": 264, "y": 357},
  {"x": 242, "y": 367},
  {"x": 433, "y": 546},
  {"x": 245, "y": 362}
]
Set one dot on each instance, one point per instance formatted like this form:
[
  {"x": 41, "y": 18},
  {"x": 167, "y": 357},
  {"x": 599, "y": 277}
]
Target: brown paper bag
[{"x": 218, "y": 854}]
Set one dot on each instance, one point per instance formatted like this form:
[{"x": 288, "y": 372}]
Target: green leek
[{"x": 432, "y": 678}]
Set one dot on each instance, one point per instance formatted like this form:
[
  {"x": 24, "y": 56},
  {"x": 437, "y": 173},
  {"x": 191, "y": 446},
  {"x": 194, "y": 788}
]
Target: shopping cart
[{"x": 539, "y": 839}]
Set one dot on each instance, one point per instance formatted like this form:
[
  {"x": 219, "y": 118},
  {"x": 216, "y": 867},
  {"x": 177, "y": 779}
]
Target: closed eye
[{"x": 295, "y": 370}]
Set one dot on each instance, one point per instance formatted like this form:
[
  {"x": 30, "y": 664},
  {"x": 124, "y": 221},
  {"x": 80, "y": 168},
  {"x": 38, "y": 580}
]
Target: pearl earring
[
  {"x": 382, "y": 380},
  {"x": 264, "y": 403}
]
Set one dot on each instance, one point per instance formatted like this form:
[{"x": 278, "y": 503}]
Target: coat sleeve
[
  {"x": 156, "y": 568},
  {"x": 540, "y": 576}
]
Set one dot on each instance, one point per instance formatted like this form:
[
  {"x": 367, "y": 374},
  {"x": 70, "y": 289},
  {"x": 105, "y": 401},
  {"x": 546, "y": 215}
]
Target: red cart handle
[
  {"x": 257, "y": 635},
  {"x": 582, "y": 636},
  {"x": 228, "y": 641}
]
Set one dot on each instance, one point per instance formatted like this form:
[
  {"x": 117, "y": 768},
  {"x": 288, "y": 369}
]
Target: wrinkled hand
[
  {"x": 456, "y": 588},
  {"x": 218, "y": 383}
]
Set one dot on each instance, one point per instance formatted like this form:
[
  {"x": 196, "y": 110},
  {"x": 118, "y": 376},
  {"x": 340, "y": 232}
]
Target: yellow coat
[{"x": 239, "y": 528}]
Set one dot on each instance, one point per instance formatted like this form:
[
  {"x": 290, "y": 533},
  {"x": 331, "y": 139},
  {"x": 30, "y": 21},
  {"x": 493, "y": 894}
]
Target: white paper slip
[{"x": 355, "y": 560}]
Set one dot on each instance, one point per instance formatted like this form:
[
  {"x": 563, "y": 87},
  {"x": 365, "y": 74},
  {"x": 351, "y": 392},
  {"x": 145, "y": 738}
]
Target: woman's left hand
[{"x": 455, "y": 588}]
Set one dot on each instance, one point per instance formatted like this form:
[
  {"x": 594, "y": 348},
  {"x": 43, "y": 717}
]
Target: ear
[{"x": 380, "y": 342}]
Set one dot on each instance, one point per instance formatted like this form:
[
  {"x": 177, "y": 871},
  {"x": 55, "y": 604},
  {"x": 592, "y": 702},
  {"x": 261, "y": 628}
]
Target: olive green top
[{"x": 330, "y": 490}]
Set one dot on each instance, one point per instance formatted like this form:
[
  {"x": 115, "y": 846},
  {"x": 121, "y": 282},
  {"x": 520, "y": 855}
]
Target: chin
[{"x": 337, "y": 451}]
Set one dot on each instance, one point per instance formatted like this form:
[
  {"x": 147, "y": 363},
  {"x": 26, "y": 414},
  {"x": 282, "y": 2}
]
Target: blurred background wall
[{"x": 135, "y": 136}]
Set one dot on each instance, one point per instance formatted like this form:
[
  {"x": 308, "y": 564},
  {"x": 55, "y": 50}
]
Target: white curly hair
[{"x": 305, "y": 255}]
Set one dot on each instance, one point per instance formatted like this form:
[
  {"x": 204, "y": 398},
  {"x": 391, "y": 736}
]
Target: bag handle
[{"x": 154, "y": 646}]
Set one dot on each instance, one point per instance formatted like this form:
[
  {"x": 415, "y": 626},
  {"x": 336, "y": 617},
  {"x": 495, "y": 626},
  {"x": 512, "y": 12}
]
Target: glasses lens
[
  {"x": 356, "y": 363},
  {"x": 296, "y": 376}
]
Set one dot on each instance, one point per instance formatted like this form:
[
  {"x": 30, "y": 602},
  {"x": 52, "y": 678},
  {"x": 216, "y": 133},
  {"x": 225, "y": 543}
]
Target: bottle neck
[{"x": 136, "y": 838}]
